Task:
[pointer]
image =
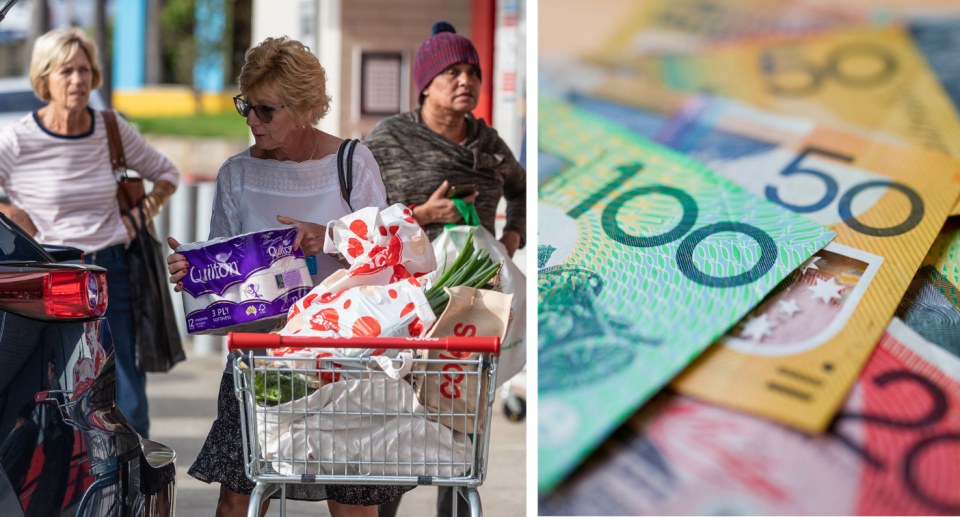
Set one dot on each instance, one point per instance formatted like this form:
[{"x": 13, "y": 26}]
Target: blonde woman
[
  {"x": 55, "y": 167},
  {"x": 289, "y": 176}
]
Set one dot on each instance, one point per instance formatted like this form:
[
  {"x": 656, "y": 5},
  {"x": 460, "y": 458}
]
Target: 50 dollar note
[
  {"x": 645, "y": 257},
  {"x": 796, "y": 355}
]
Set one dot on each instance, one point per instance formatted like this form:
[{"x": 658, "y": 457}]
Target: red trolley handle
[{"x": 482, "y": 345}]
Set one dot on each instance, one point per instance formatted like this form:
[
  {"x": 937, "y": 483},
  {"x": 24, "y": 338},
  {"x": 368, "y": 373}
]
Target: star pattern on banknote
[
  {"x": 758, "y": 327},
  {"x": 826, "y": 290},
  {"x": 788, "y": 307},
  {"x": 810, "y": 264}
]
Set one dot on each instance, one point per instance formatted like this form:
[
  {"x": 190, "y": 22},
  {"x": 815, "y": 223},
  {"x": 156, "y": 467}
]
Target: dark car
[{"x": 65, "y": 448}]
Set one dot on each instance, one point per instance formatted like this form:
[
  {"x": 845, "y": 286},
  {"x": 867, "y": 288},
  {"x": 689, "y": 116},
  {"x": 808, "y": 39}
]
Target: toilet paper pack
[{"x": 243, "y": 282}]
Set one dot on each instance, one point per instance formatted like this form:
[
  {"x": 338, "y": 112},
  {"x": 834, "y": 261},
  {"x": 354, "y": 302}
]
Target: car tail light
[{"x": 54, "y": 294}]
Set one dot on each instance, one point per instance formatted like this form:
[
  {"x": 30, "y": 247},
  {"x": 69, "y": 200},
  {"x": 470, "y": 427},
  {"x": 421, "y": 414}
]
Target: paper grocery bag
[{"x": 447, "y": 388}]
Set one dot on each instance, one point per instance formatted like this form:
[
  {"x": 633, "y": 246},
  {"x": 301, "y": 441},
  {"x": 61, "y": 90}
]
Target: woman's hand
[
  {"x": 20, "y": 218},
  {"x": 177, "y": 265},
  {"x": 131, "y": 231},
  {"x": 310, "y": 236},
  {"x": 439, "y": 209}
]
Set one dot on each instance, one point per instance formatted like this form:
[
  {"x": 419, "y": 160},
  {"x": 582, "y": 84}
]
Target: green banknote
[{"x": 645, "y": 257}]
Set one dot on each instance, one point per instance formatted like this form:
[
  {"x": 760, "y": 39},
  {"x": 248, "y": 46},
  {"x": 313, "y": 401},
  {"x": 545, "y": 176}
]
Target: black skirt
[{"x": 221, "y": 461}]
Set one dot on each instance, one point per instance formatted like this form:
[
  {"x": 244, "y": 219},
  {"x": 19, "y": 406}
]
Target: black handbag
[
  {"x": 154, "y": 322},
  {"x": 158, "y": 339}
]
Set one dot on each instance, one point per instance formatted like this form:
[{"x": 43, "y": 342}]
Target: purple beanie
[{"x": 444, "y": 48}]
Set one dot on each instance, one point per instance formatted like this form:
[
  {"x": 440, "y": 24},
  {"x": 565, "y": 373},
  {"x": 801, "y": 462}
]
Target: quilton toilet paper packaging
[{"x": 243, "y": 283}]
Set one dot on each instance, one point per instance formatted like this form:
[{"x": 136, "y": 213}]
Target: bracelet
[
  {"x": 148, "y": 207},
  {"x": 153, "y": 204},
  {"x": 160, "y": 198}
]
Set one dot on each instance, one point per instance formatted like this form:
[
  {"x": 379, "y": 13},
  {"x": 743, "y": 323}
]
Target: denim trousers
[{"x": 131, "y": 384}]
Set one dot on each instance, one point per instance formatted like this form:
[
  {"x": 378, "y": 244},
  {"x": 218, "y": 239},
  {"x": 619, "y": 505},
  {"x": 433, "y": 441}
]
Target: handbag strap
[
  {"x": 118, "y": 161},
  {"x": 345, "y": 172}
]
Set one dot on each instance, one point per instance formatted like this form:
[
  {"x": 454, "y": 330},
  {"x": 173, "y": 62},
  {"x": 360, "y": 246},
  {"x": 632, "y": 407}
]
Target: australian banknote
[
  {"x": 645, "y": 257},
  {"x": 796, "y": 354},
  {"x": 944, "y": 258},
  {"x": 894, "y": 449},
  {"x": 857, "y": 80}
]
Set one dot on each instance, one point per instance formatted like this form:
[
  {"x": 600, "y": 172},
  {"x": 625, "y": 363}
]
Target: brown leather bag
[{"x": 129, "y": 190}]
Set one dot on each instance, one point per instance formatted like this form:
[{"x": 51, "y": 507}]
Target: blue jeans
[{"x": 131, "y": 384}]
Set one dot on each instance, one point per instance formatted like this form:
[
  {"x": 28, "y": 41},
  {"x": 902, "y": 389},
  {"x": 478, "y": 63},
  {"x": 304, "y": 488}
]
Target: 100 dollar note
[{"x": 645, "y": 257}]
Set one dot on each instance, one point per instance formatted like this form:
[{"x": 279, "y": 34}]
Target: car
[{"x": 65, "y": 447}]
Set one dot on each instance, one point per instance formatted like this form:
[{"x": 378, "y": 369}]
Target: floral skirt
[{"x": 221, "y": 461}]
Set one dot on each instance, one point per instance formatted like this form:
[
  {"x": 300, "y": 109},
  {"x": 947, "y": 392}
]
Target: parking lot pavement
[{"x": 183, "y": 405}]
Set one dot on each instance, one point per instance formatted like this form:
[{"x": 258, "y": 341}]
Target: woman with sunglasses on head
[
  {"x": 55, "y": 166},
  {"x": 288, "y": 177}
]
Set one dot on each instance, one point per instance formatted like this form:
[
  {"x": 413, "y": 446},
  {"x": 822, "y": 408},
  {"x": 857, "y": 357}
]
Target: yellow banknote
[
  {"x": 864, "y": 80},
  {"x": 794, "y": 356},
  {"x": 692, "y": 26}
]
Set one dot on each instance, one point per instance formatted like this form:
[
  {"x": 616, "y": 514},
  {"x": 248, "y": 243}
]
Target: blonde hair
[
  {"x": 287, "y": 67},
  {"x": 55, "y": 48}
]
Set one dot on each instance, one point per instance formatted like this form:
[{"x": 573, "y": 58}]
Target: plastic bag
[
  {"x": 447, "y": 246},
  {"x": 386, "y": 424},
  {"x": 400, "y": 309},
  {"x": 382, "y": 247}
]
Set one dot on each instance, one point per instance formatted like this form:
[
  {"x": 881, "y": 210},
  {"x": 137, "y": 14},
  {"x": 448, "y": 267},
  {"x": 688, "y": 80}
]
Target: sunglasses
[{"x": 264, "y": 113}]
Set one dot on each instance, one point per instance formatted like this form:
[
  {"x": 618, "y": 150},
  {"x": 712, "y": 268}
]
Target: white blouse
[{"x": 252, "y": 192}]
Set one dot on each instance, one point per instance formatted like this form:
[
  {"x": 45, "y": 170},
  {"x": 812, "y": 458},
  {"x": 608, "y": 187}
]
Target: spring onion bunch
[
  {"x": 472, "y": 268},
  {"x": 279, "y": 387}
]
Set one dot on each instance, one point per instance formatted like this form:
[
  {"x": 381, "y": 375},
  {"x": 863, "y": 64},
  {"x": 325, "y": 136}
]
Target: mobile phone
[{"x": 461, "y": 191}]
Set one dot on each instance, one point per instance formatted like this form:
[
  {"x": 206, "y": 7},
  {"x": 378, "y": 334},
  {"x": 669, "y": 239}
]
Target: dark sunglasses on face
[{"x": 264, "y": 113}]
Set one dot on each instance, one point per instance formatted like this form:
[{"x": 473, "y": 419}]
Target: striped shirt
[{"x": 66, "y": 183}]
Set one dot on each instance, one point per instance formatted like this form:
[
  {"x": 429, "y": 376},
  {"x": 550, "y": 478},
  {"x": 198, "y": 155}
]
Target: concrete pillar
[
  {"x": 330, "y": 53},
  {"x": 129, "y": 22}
]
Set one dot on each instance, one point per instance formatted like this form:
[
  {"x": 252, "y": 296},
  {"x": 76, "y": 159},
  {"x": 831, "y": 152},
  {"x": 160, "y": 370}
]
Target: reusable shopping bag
[
  {"x": 471, "y": 312},
  {"x": 513, "y": 351}
]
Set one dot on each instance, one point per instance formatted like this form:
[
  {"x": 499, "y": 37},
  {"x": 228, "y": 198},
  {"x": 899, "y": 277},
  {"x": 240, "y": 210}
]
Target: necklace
[{"x": 315, "y": 142}]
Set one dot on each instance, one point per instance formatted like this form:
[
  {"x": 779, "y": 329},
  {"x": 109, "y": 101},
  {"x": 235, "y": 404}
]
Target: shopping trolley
[{"x": 368, "y": 452}]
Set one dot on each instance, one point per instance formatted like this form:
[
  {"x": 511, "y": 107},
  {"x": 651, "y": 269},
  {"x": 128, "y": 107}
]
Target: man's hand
[
  {"x": 20, "y": 218},
  {"x": 510, "y": 240},
  {"x": 310, "y": 236},
  {"x": 439, "y": 209}
]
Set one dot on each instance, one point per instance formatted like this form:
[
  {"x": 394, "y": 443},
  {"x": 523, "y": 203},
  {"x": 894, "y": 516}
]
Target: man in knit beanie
[
  {"x": 443, "y": 48},
  {"x": 424, "y": 152}
]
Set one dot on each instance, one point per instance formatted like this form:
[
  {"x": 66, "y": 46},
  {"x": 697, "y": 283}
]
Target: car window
[
  {"x": 16, "y": 246},
  {"x": 19, "y": 101}
]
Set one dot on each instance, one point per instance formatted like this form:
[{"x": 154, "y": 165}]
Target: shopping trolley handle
[{"x": 483, "y": 345}]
